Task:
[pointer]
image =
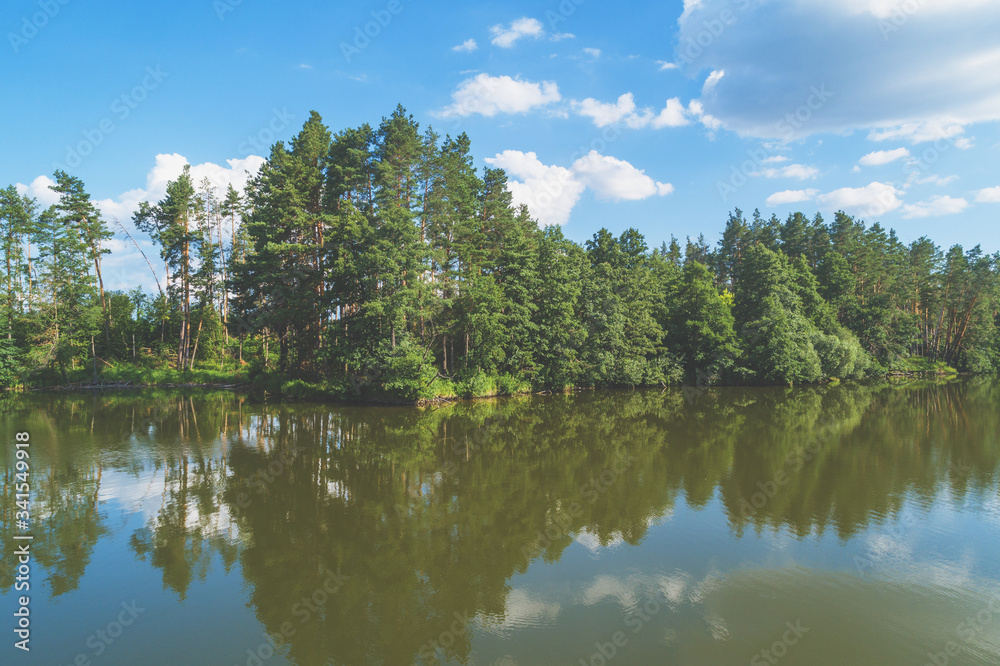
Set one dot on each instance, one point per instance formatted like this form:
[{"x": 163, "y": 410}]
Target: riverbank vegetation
[{"x": 378, "y": 263}]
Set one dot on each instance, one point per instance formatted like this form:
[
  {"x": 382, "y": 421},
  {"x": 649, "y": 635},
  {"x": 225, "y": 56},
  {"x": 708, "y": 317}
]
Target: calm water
[{"x": 833, "y": 525}]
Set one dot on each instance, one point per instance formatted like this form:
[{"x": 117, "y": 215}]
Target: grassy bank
[{"x": 358, "y": 388}]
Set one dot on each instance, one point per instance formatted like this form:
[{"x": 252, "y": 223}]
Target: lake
[{"x": 840, "y": 524}]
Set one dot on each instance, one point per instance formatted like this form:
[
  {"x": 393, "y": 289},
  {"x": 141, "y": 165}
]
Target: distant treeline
[{"x": 377, "y": 261}]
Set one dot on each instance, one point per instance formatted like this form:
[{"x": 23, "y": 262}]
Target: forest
[{"x": 377, "y": 263}]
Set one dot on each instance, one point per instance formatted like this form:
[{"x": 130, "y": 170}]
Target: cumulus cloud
[
  {"x": 935, "y": 207},
  {"x": 625, "y": 110},
  {"x": 989, "y": 195},
  {"x": 551, "y": 192},
  {"x": 616, "y": 180},
  {"x": 712, "y": 80},
  {"x": 790, "y": 197},
  {"x": 917, "y": 82},
  {"x": 797, "y": 171},
  {"x": 872, "y": 200},
  {"x": 666, "y": 66},
  {"x": 489, "y": 95},
  {"x": 880, "y": 157},
  {"x": 611, "y": 113},
  {"x": 506, "y": 36},
  {"x": 39, "y": 189},
  {"x": 125, "y": 268},
  {"x": 168, "y": 167},
  {"x": 468, "y": 46},
  {"x": 593, "y": 53}
]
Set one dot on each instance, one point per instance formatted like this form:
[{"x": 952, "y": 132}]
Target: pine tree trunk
[
  {"x": 104, "y": 305},
  {"x": 197, "y": 338}
]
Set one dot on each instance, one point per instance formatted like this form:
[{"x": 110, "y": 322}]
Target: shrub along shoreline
[{"x": 360, "y": 390}]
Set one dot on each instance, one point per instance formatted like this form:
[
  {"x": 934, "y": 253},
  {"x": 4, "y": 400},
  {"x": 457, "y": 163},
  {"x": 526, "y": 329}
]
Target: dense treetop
[{"x": 378, "y": 261}]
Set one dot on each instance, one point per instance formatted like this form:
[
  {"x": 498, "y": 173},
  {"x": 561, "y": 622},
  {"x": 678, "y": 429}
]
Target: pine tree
[{"x": 75, "y": 208}]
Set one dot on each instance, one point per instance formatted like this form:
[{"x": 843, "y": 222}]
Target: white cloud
[
  {"x": 489, "y": 95},
  {"x": 989, "y": 195},
  {"x": 559, "y": 36},
  {"x": 712, "y": 80},
  {"x": 625, "y": 110},
  {"x": 39, "y": 189},
  {"x": 506, "y": 37},
  {"x": 919, "y": 132},
  {"x": 890, "y": 9},
  {"x": 672, "y": 115},
  {"x": 605, "y": 113},
  {"x": 468, "y": 46},
  {"x": 917, "y": 81},
  {"x": 593, "y": 53},
  {"x": 935, "y": 207},
  {"x": 698, "y": 110},
  {"x": 168, "y": 167},
  {"x": 665, "y": 66},
  {"x": 617, "y": 180},
  {"x": 937, "y": 180},
  {"x": 775, "y": 159},
  {"x": 551, "y": 192},
  {"x": 797, "y": 171},
  {"x": 872, "y": 200},
  {"x": 880, "y": 157},
  {"x": 125, "y": 268},
  {"x": 790, "y": 196}
]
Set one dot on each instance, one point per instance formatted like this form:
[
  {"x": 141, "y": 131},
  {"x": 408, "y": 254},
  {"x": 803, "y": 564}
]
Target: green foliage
[
  {"x": 10, "y": 364},
  {"x": 378, "y": 263},
  {"x": 702, "y": 328}
]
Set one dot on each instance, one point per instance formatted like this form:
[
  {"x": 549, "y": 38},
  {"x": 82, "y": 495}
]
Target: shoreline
[{"x": 321, "y": 396}]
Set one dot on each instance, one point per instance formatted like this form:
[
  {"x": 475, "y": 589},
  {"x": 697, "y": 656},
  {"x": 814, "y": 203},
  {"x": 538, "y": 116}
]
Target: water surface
[{"x": 833, "y": 525}]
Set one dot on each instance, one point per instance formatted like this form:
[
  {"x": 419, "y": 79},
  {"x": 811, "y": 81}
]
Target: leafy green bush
[{"x": 10, "y": 364}]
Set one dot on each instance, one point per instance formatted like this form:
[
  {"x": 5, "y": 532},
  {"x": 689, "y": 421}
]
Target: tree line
[{"x": 378, "y": 261}]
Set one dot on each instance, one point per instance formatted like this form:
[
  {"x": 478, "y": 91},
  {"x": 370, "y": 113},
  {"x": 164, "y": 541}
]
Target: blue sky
[{"x": 663, "y": 116}]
